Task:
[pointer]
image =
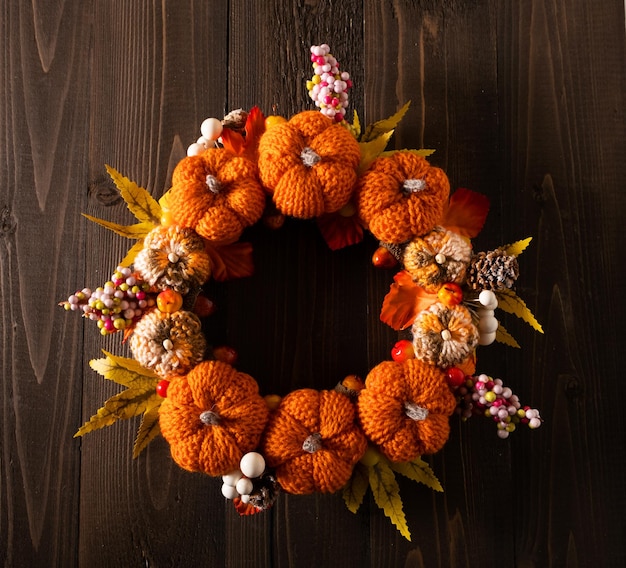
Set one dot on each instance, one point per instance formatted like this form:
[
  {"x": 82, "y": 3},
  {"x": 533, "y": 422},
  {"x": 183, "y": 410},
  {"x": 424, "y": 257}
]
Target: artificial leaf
[
  {"x": 132, "y": 253},
  {"x": 131, "y": 402},
  {"x": 511, "y": 303},
  {"x": 355, "y": 489},
  {"x": 141, "y": 204},
  {"x": 233, "y": 141},
  {"x": 122, "y": 370},
  {"x": 371, "y": 149},
  {"x": 404, "y": 301},
  {"x": 418, "y": 470},
  {"x": 230, "y": 261},
  {"x": 356, "y": 125},
  {"x": 136, "y": 231},
  {"x": 466, "y": 213},
  {"x": 245, "y": 509},
  {"x": 503, "y": 336},
  {"x": 518, "y": 247},
  {"x": 340, "y": 231},
  {"x": 423, "y": 152},
  {"x": 149, "y": 428},
  {"x": 469, "y": 365},
  {"x": 255, "y": 127},
  {"x": 387, "y": 495},
  {"x": 385, "y": 126}
]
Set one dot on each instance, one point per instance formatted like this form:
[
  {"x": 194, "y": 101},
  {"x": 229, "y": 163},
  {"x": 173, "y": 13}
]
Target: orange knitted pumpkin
[
  {"x": 401, "y": 196},
  {"x": 309, "y": 165},
  {"x": 404, "y": 409},
  {"x": 313, "y": 441},
  {"x": 212, "y": 417},
  {"x": 217, "y": 194}
]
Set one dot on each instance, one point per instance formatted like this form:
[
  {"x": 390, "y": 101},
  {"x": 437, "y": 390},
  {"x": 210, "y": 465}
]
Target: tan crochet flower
[
  {"x": 444, "y": 336},
  {"x": 169, "y": 344},
  {"x": 440, "y": 256},
  {"x": 173, "y": 257}
]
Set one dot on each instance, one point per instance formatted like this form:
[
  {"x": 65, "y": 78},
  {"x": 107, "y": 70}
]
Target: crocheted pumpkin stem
[
  {"x": 213, "y": 184},
  {"x": 312, "y": 443},
  {"x": 413, "y": 186},
  {"x": 309, "y": 157},
  {"x": 415, "y": 412},
  {"x": 209, "y": 418}
]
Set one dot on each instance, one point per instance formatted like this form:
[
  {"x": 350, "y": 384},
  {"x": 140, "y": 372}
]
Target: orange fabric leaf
[
  {"x": 255, "y": 127},
  {"x": 340, "y": 231},
  {"x": 404, "y": 301},
  {"x": 466, "y": 212},
  {"x": 233, "y": 141},
  {"x": 230, "y": 261},
  {"x": 245, "y": 509}
]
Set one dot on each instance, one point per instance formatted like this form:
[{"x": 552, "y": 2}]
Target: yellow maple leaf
[
  {"x": 518, "y": 247},
  {"x": 371, "y": 149},
  {"x": 511, "y": 303},
  {"x": 354, "y": 491},
  {"x": 149, "y": 429},
  {"x": 387, "y": 495},
  {"x": 503, "y": 336},
  {"x": 386, "y": 125},
  {"x": 138, "y": 200},
  {"x": 418, "y": 470},
  {"x": 132, "y": 253},
  {"x": 136, "y": 231},
  {"x": 122, "y": 370}
]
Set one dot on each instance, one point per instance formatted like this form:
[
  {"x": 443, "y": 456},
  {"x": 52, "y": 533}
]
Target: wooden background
[{"x": 523, "y": 101}]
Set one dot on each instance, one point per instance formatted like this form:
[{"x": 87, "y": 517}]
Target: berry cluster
[
  {"x": 483, "y": 395},
  {"x": 487, "y": 323},
  {"x": 211, "y": 130},
  {"x": 240, "y": 483},
  {"x": 328, "y": 86},
  {"x": 115, "y": 306}
]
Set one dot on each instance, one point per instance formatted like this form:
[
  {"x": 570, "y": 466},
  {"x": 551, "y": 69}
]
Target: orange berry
[
  {"x": 272, "y": 401},
  {"x": 169, "y": 301},
  {"x": 382, "y": 258},
  {"x": 225, "y": 354},
  {"x": 273, "y": 121},
  {"x": 450, "y": 294},
  {"x": 353, "y": 383}
]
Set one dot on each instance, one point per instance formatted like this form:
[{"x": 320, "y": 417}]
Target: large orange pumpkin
[
  {"x": 313, "y": 441},
  {"x": 217, "y": 194},
  {"x": 212, "y": 417},
  {"x": 309, "y": 165},
  {"x": 405, "y": 409},
  {"x": 401, "y": 196}
]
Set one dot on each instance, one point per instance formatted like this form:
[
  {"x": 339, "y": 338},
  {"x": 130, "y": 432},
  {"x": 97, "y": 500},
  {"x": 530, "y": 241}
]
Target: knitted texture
[
  {"x": 212, "y": 417},
  {"x": 217, "y": 194},
  {"x": 309, "y": 165},
  {"x": 404, "y": 409},
  {"x": 169, "y": 344},
  {"x": 444, "y": 335},
  {"x": 173, "y": 257},
  {"x": 493, "y": 270},
  {"x": 313, "y": 441},
  {"x": 440, "y": 256},
  {"x": 401, "y": 197}
]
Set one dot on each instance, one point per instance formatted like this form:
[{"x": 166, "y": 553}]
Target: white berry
[
  {"x": 488, "y": 299},
  {"x": 486, "y": 338},
  {"x": 244, "y": 486},
  {"x": 211, "y": 128},
  {"x": 252, "y": 464},
  {"x": 232, "y": 478},
  {"x": 488, "y": 324},
  {"x": 229, "y": 492}
]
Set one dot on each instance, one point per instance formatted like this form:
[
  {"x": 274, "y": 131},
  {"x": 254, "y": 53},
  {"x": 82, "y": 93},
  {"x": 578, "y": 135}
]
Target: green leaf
[
  {"x": 124, "y": 371},
  {"x": 372, "y": 149},
  {"x": 509, "y": 302},
  {"x": 148, "y": 430},
  {"x": 131, "y": 402},
  {"x": 503, "y": 336},
  {"x": 136, "y": 231},
  {"x": 141, "y": 204},
  {"x": 387, "y": 495},
  {"x": 518, "y": 247},
  {"x": 385, "y": 126},
  {"x": 355, "y": 489},
  {"x": 418, "y": 470},
  {"x": 132, "y": 253}
]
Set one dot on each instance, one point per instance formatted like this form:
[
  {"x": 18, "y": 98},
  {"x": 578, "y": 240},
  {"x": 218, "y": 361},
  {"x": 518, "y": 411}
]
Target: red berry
[
  {"x": 203, "y": 306},
  {"x": 382, "y": 258},
  {"x": 455, "y": 376},
  {"x": 402, "y": 351},
  {"x": 225, "y": 354},
  {"x": 161, "y": 388}
]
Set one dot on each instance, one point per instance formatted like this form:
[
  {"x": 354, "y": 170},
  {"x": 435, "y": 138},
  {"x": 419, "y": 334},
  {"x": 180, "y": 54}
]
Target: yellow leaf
[
  {"x": 149, "y": 429},
  {"x": 424, "y": 152},
  {"x": 418, "y": 470},
  {"x": 136, "y": 231},
  {"x": 518, "y": 247},
  {"x": 132, "y": 253},
  {"x": 387, "y": 495},
  {"x": 131, "y": 402},
  {"x": 371, "y": 149},
  {"x": 356, "y": 124},
  {"x": 385, "y": 126},
  {"x": 124, "y": 371},
  {"x": 141, "y": 204},
  {"x": 355, "y": 489},
  {"x": 512, "y": 304},
  {"x": 503, "y": 336}
]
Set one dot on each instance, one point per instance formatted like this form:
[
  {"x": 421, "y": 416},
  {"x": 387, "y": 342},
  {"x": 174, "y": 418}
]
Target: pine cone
[
  {"x": 265, "y": 491},
  {"x": 493, "y": 270},
  {"x": 236, "y": 120},
  {"x": 397, "y": 251}
]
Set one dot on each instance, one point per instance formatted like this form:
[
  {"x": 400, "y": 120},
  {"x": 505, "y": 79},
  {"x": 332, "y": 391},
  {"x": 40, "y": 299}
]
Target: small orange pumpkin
[
  {"x": 309, "y": 165},
  {"x": 313, "y": 441},
  {"x": 217, "y": 194},
  {"x": 404, "y": 409},
  {"x": 401, "y": 196},
  {"x": 212, "y": 417}
]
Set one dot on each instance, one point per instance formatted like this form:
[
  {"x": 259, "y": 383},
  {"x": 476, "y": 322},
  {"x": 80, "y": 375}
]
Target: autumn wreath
[{"x": 314, "y": 165}]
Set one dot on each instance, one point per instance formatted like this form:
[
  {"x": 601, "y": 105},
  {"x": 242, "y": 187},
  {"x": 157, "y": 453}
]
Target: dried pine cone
[
  {"x": 236, "y": 120},
  {"x": 493, "y": 270},
  {"x": 265, "y": 491}
]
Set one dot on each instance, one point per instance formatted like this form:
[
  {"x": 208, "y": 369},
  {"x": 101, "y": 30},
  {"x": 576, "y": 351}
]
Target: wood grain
[{"x": 523, "y": 102}]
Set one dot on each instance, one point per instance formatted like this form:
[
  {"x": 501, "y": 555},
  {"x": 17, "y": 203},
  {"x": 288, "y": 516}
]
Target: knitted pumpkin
[
  {"x": 401, "y": 196},
  {"x": 217, "y": 194},
  {"x": 404, "y": 409},
  {"x": 212, "y": 417},
  {"x": 313, "y": 441},
  {"x": 309, "y": 165}
]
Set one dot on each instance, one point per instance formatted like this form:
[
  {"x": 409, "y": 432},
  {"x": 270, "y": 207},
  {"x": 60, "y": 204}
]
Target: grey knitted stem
[
  {"x": 415, "y": 412},
  {"x": 312, "y": 443}
]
